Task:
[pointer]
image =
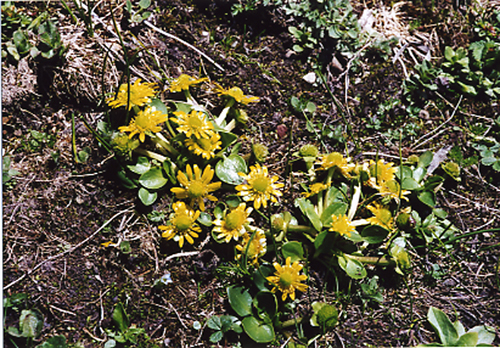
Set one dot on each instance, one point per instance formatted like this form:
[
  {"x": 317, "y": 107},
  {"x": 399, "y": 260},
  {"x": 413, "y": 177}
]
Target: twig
[
  {"x": 184, "y": 43},
  {"x": 441, "y": 125},
  {"x": 182, "y": 254},
  {"x": 67, "y": 251}
]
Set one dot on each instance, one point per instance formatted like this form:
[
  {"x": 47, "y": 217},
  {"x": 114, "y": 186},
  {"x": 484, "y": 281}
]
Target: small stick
[
  {"x": 67, "y": 251},
  {"x": 184, "y": 43}
]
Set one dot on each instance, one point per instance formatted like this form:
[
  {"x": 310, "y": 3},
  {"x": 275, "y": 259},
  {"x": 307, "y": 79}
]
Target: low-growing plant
[
  {"x": 454, "y": 334},
  {"x": 126, "y": 333}
]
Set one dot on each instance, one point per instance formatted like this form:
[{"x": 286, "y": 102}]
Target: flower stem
[
  {"x": 302, "y": 229},
  {"x": 372, "y": 260},
  {"x": 151, "y": 154},
  {"x": 163, "y": 142},
  {"x": 288, "y": 323},
  {"x": 224, "y": 112}
]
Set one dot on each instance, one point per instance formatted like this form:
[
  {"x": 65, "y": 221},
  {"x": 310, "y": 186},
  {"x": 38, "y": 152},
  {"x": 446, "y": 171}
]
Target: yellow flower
[
  {"x": 392, "y": 189},
  {"x": 382, "y": 216},
  {"x": 233, "y": 225},
  {"x": 194, "y": 123},
  {"x": 315, "y": 188},
  {"x": 204, "y": 147},
  {"x": 287, "y": 279},
  {"x": 196, "y": 186},
  {"x": 335, "y": 159},
  {"x": 382, "y": 172},
  {"x": 237, "y": 94},
  {"x": 260, "y": 187},
  {"x": 182, "y": 225},
  {"x": 342, "y": 225},
  {"x": 140, "y": 94},
  {"x": 257, "y": 247},
  {"x": 183, "y": 83},
  {"x": 146, "y": 122}
]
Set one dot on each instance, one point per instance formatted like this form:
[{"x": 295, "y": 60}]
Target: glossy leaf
[
  {"x": 374, "y": 234},
  {"x": 259, "y": 276},
  {"x": 141, "y": 167},
  {"x": 257, "y": 330},
  {"x": 294, "y": 250},
  {"x": 240, "y": 300},
  {"x": 353, "y": 268},
  {"x": 228, "y": 168},
  {"x": 307, "y": 209},
  {"x": 428, "y": 198},
  {"x": 443, "y": 326},
  {"x": 147, "y": 198},
  {"x": 486, "y": 335},
  {"x": 338, "y": 208},
  {"x": 30, "y": 323},
  {"x": 153, "y": 179},
  {"x": 54, "y": 342},
  {"x": 120, "y": 318}
]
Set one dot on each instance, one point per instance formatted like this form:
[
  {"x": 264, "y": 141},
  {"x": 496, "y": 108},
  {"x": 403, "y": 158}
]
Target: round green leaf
[
  {"x": 259, "y": 276},
  {"x": 428, "y": 198},
  {"x": 240, "y": 300},
  {"x": 353, "y": 268},
  {"x": 205, "y": 219},
  {"x": 374, "y": 234},
  {"x": 259, "y": 331},
  {"x": 294, "y": 250},
  {"x": 141, "y": 167},
  {"x": 153, "y": 179},
  {"x": 227, "y": 169},
  {"x": 147, "y": 198},
  {"x": 30, "y": 323},
  {"x": 216, "y": 336}
]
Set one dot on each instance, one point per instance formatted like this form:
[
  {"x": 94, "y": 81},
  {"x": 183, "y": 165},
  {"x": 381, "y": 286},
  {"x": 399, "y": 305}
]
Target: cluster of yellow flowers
[
  {"x": 381, "y": 177},
  {"x": 196, "y": 186}
]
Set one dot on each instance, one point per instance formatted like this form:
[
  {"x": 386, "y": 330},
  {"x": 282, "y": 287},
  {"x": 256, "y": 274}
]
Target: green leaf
[
  {"x": 338, "y": 208},
  {"x": 428, "y": 198},
  {"x": 21, "y": 41},
  {"x": 141, "y": 167},
  {"x": 228, "y": 168},
  {"x": 153, "y": 179},
  {"x": 486, "y": 335},
  {"x": 214, "y": 322},
  {"x": 240, "y": 300},
  {"x": 54, "y": 342},
  {"x": 353, "y": 268},
  {"x": 260, "y": 274},
  {"x": 266, "y": 304},
  {"x": 30, "y": 323},
  {"x": 125, "y": 180},
  {"x": 374, "y": 234},
  {"x": 147, "y": 198},
  {"x": 120, "y": 318},
  {"x": 159, "y": 105},
  {"x": 216, "y": 336},
  {"x": 425, "y": 159},
  {"x": 144, "y": 3},
  {"x": 324, "y": 243},
  {"x": 257, "y": 330},
  {"x": 205, "y": 219},
  {"x": 410, "y": 184},
  {"x": 294, "y": 250},
  {"x": 443, "y": 326},
  {"x": 308, "y": 210},
  {"x": 467, "y": 340},
  {"x": 230, "y": 322}
]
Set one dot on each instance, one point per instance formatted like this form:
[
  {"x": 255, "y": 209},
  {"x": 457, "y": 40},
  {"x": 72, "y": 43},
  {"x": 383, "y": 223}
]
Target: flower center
[
  {"x": 234, "y": 220},
  {"x": 195, "y": 122},
  {"x": 183, "y": 222},
  {"x": 260, "y": 184},
  {"x": 196, "y": 189},
  {"x": 286, "y": 280},
  {"x": 142, "y": 121}
]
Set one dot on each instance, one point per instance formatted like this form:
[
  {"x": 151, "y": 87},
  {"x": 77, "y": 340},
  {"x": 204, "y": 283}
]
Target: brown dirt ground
[{"x": 56, "y": 213}]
